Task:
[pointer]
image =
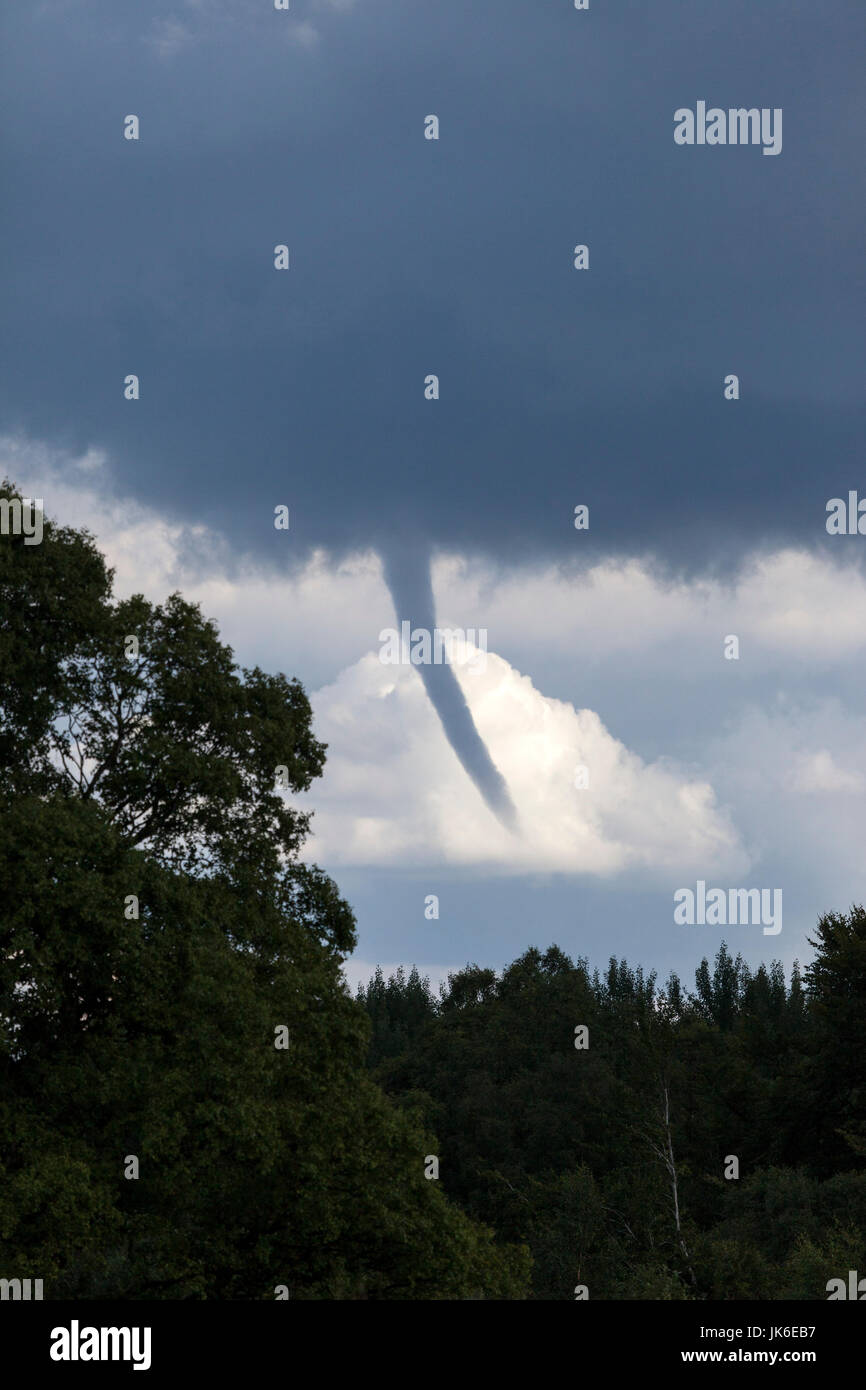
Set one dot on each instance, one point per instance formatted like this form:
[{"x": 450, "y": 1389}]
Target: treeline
[{"x": 645, "y": 1141}]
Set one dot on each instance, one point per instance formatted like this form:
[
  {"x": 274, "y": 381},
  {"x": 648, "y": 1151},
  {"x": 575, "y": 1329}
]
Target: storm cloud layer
[{"x": 454, "y": 257}]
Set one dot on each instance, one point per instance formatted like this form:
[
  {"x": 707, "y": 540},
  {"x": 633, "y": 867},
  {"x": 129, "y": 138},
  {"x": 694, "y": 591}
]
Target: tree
[
  {"x": 52, "y": 598},
  {"x": 836, "y": 988},
  {"x": 170, "y": 982}
]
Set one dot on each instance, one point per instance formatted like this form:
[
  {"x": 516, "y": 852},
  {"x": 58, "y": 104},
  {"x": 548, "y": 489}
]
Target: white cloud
[
  {"x": 796, "y": 774},
  {"x": 394, "y": 792},
  {"x": 818, "y": 772},
  {"x": 168, "y": 37},
  {"x": 788, "y": 604},
  {"x": 304, "y": 34},
  {"x": 200, "y": 20}
]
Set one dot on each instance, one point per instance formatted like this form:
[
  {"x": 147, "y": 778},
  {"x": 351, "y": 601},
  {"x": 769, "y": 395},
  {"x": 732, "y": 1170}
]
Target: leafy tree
[
  {"x": 52, "y": 598},
  {"x": 159, "y": 937},
  {"x": 836, "y": 985}
]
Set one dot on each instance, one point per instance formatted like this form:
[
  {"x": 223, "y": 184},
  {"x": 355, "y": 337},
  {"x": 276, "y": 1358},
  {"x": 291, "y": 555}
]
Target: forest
[{"x": 647, "y": 1142}]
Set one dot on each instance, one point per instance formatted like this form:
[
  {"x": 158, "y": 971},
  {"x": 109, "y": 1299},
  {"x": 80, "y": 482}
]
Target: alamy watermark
[
  {"x": 76, "y": 1343},
  {"x": 854, "y": 1289},
  {"x": 736, "y": 126},
  {"x": 846, "y": 519},
  {"x": 20, "y": 516},
  {"x": 22, "y": 1290},
  {"x": 732, "y": 907},
  {"x": 421, "y": 647}
]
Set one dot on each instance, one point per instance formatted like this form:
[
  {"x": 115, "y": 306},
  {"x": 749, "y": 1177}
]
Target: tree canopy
[
  {"x": 608, "y": 1151},
  {"x": 185, "y": 1110}
]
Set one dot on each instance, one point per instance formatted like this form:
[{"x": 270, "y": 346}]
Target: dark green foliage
[
  {"x": 52, "y": 602},
  {"x": 156, "y": 928},
  {"x": 610, "y": 1162},
  {"x": 836, "y": 983}
]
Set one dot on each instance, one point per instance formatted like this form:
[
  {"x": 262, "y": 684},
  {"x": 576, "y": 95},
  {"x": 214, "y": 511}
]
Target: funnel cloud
[{"x": 407, "y": 573}]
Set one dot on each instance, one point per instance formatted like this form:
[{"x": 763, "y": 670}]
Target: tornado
[{"x": 407, "y": 574}]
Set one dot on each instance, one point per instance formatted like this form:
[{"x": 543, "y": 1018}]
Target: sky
[{"x": 557, "y": 387}]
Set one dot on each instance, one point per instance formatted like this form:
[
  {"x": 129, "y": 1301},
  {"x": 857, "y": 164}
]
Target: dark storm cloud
[{"x": 411, "y": 257}]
